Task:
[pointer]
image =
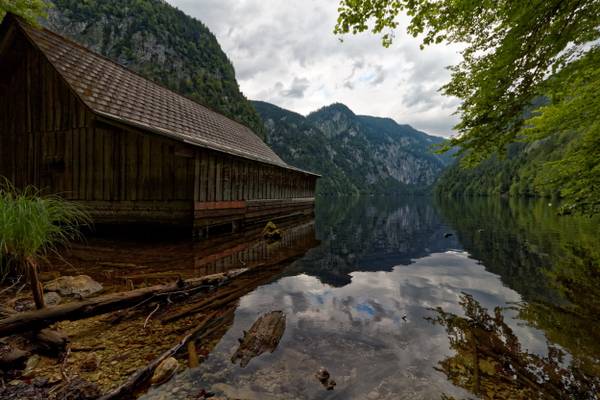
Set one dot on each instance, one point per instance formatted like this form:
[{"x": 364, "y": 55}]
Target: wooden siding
[{"x": 50, "y": 139}]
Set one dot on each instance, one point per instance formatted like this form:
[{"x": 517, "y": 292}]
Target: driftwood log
[
  {"x": 39, "y": 319},
  {"x": 264, "y": 335}
]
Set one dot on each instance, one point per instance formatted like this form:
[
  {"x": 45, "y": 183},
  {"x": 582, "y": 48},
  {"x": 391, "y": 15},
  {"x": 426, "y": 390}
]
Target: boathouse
[{"x": 75, "y": 123}]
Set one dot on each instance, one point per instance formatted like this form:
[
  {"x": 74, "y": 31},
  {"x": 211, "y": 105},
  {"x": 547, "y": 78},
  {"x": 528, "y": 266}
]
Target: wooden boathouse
[{"x": 75, "y": 123}]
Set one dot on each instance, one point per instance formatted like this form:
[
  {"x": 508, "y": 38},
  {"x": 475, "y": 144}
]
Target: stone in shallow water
[
  {"x": 80, "y": 285},
  {"x": 164, "y": 371},
  {"x": 27, "y": 303}
]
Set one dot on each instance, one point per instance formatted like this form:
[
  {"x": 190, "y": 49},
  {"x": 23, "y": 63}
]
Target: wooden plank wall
[{"x": 227, "y": 178}]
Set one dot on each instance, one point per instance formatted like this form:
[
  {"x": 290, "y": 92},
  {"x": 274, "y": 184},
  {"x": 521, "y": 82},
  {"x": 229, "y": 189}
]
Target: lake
[{"x": 418, "y": 298}]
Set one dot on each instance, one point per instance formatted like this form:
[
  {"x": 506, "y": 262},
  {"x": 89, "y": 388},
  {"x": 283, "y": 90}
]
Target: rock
[
  {"x": 51, "y": 340},
  {"x": 10, "y": 356},
  {"x": 27, "y": 303},
  {"x": 325, "y": 378},
  {"x": 271, "y": 232},
  {"x": 164, "y": 371},
  {"x": 52, "y": 299},
  {"x": 322, "y": 375},
  {"x": 264, "y": 335},
  {"x": 30, "y": 365},
  {"x": 330, "y": 385},
  {"x": 90, "y": 363},
  {"x": 80, "y": 285}
]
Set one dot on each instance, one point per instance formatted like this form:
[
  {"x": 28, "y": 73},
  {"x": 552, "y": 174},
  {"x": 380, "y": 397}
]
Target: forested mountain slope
[
  {"x": 521, "y": 172},
  {"x": 355, "y": 154},
  {"x": 161, "y": 43}
]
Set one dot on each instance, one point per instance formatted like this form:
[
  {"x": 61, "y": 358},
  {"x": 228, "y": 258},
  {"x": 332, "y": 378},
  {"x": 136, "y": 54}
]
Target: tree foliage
[
  {"x": 30, "y": 10},
  {"x": 515, "y": 52}
]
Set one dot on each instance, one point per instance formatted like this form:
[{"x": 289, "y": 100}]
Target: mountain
[
  {"x": 353, "y": 153},
  {"x": 161, "y": 43}
]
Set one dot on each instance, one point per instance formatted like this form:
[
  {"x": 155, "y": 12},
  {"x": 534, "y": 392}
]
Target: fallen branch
[
  {"x": 150, "y": 315},
  {"x": 11, "y": 286},
  {"x": 39, "y": 319},
  {"x": 220, "y": 299}
]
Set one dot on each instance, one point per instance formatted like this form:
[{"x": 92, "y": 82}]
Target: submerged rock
[
  {"x": 322, "y": 375},
  {"x": 89, "y": 363},
  {"x": 264, "y": 335},
  {"x": 80, "y": 285},
  {"x": 10, "y": 355},
  {"x": 164, "y": 371},
  {"x": 271, "y": 232},
  {"x": 325, "y": 378},
  {"x": 30, "y": 365}
]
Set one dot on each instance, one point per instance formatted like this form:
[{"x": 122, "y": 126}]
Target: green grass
[{"x": 32, "y": 225}]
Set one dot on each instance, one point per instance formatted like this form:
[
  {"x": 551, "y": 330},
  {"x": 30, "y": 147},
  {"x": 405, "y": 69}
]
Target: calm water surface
[{"x": 424, "y": 299}]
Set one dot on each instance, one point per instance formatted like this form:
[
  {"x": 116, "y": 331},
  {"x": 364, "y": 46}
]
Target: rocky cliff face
[
  {"x": 355, "y": 154},
  {"x": 161, "y": 43}
]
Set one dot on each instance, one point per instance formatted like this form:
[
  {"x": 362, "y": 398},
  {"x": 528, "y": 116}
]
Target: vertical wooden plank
[
  {"x": 211, "y": 177},
  {"x": 155, "y": 168},
  {"x": 250, "y": 181},
  {"x": 233, "y": 178},
  {"x": 68, "y": 160},
  {"x": 226, "y": 179},
  {"x": 83, "y": 167},
  {"x": 219, "y": 179},
  {"x": 169, "y": 174},
  {"x": 57, "y": 102},
  {"x": 197, "y": 176},
  {"x": 203, "y": 175},
  {"x": 75, "y": 169},
  {"x": 145, "y": 191},
  {"x": 132, "y": 175},
  {"x": 120, "y": 141},
  {"x": 108, "y": 160},
  {"x": 244, "y": 180},
  {"x": 98, "y": 154}
]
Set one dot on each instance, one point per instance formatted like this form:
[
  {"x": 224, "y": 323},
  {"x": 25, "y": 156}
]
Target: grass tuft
[{"x": 32, "y": 225}]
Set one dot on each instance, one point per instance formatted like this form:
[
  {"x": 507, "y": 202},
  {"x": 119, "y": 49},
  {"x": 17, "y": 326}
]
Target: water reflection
[
  {"x": 361, "y": 305},
  {"x": 490, "y": 361},
  {"x": 372, "y": 234}
]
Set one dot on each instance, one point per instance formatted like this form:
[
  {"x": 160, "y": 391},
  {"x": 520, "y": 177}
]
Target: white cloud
[{"x": 286, "y": 53}]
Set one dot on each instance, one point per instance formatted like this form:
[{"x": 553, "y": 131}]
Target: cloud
[
  {"x": 297, "y": 88},
  {"x": 286, "y": 53}
]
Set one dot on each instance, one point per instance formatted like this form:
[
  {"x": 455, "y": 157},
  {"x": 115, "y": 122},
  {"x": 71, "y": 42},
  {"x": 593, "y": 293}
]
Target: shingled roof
[{"x": 115, "y": 92}]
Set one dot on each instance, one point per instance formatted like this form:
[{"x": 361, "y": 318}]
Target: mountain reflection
[{"x": 372, "y": 234}]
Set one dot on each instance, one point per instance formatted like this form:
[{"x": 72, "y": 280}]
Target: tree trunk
[
  {"x": 39, "y": 319},
  {"x": 36, "y": 287}
]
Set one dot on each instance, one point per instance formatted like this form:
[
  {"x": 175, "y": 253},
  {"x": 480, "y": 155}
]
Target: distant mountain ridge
[
  {"x": 162, "y": 44},
  {"x": 354, "y": 153}
]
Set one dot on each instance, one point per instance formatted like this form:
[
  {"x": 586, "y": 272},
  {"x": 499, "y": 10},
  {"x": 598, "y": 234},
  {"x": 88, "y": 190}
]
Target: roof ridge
[{"x": 129, "y": 70}]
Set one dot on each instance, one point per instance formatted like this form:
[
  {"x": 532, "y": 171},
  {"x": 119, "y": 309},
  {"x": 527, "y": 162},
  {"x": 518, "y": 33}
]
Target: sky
[{"x": 285, "y": 53}]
